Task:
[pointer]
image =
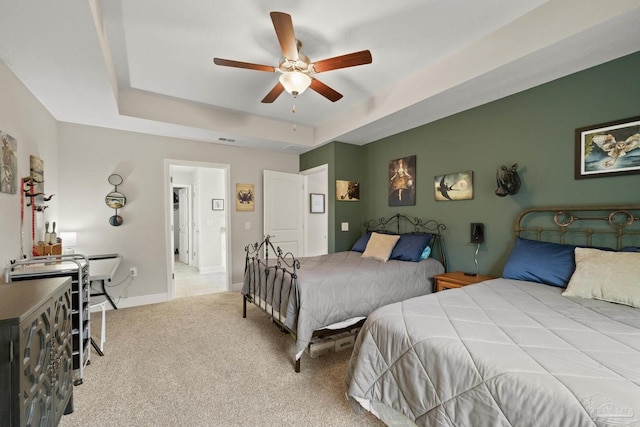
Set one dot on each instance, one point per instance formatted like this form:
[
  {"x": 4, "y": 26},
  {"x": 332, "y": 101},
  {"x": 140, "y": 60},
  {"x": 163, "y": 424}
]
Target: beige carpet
[{"x": 196, "y": 362}]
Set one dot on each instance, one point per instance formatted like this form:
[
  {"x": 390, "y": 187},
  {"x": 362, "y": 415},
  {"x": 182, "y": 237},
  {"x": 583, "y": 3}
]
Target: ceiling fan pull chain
[{"x": 293, "y": 111}]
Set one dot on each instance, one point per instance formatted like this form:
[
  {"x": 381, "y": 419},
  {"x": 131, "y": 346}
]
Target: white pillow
[
  {"x": 380, "y": 246},
  {"x": 606, "y": 275}
]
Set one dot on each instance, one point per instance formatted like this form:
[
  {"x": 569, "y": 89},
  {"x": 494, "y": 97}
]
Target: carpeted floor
[{"x": 196, "y": 362}]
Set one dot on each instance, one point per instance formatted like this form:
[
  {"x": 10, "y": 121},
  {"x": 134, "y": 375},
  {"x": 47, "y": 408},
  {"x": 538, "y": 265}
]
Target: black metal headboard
[
  {"x": 399, "y": 224},
  {"x": 605, "y": 226}
]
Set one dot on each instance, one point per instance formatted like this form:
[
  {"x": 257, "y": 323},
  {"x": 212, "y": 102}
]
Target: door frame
[{"x": 168, "y": 203}]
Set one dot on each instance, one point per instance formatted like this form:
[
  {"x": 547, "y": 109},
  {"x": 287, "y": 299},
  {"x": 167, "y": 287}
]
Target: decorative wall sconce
[
  {"x": 115, "y": 199},
  {"x": 508, "y": 181}
]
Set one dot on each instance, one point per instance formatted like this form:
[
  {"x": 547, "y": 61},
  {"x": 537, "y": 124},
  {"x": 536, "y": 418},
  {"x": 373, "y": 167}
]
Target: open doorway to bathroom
[{"x": 198, "y": 225}]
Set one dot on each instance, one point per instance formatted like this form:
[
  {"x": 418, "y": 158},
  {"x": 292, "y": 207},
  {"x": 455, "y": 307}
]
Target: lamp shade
[
  {"x": 69, "y": 238},
  {"x": 295, "y": 82}
]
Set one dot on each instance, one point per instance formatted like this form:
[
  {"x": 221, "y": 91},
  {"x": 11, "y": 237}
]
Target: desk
[{"x": 101, "y": 269}]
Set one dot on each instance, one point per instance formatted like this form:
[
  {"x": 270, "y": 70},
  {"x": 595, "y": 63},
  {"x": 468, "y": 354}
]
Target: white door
[
  {"x": 283, "y": 210},
  {"x": 183, "y": 225}
]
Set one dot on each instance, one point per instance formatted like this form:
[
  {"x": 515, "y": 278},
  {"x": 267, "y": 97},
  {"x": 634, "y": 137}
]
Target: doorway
[{"x": 198, "y": 262}]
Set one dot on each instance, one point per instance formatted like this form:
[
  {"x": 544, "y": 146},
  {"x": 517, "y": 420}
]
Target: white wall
[
  {"x": 88, "y": 155},
  {"x": 35, "y": 130}
]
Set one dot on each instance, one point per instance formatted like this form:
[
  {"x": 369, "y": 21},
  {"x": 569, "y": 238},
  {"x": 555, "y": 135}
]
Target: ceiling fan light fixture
[{"x": 295, "y": 82}]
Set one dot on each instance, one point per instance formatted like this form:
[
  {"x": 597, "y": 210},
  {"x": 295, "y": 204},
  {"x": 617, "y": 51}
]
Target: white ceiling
[{"x": 146, "y": 65}]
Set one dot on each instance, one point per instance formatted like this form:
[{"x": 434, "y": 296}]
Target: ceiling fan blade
[
  {"x": 246, "y": 65},
  {"x": 284, "y": 30},
  {"x": 344, "y": 61},
  {"x": 325, "y": 90},
  {"x": 274, "y": 93}
]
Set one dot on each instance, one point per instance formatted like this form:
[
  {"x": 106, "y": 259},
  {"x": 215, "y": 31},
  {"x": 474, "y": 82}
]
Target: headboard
[
  {"x": 399, "y": 224},
  {"x": 606, "y": 226}
]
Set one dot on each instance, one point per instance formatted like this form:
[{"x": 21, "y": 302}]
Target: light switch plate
[{"x": 345, "y": 226}]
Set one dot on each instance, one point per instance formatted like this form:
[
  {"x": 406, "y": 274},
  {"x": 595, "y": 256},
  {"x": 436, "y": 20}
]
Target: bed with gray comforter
[
  {"x": 338, "y": 287},
  {"x": 332, "y": 294},
  {"x": 499, "y": 353}
]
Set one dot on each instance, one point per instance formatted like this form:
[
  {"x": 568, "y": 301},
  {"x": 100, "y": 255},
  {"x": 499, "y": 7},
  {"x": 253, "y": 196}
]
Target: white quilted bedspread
[{"x": 499, "y": 353}]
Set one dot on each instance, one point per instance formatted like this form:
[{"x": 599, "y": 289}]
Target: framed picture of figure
[{"x": 402, "y": 181}]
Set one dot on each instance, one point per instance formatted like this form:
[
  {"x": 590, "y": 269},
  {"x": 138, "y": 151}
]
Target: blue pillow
[
  {"x": 542, "y": 262},
  {"x": 410, "y": 247},
  {"x": 630, "y": 249},
  {"x": 361, "y": 244}
]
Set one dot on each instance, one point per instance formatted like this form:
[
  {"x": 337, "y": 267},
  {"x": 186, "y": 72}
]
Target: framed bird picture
[
  {"x": 607, "y": 149},
  {"x": 454, "y": 186}
]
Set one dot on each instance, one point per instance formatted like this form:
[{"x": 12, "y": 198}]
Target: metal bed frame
[
  {"x": 605, "y": 226},
  {"x": 284, "y": 268}
]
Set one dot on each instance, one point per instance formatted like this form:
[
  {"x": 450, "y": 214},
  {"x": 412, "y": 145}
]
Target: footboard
[{"x": 269, "y": 283}]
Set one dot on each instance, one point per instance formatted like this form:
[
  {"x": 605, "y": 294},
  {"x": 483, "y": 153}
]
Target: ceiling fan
[{"x": 297, "y": 69}]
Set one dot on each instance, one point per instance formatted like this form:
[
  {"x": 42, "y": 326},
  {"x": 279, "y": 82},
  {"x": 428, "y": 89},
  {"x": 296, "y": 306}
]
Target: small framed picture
[
  {"x": 316, "y": 203},
  {"x": 217, "y": 204}
]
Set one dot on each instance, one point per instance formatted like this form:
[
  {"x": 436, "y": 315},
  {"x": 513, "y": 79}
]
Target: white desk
[{"x": 102, "y": 269}]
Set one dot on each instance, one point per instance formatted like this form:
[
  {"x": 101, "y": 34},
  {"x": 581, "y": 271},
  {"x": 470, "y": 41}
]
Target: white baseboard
[{"x": 135, "y": 301}]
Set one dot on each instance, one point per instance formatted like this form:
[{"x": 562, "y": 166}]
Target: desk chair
[{"x": 103, "y": 327}]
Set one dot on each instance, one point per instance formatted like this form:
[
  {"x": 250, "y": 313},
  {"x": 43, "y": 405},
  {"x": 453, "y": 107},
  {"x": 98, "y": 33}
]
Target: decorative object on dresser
[
  {"x": 115, "y": 199},
  {"x": 457, "y": 279},
  {"x": 77, "y": 267},
  {"x": 436, "y": 359},
  {"x": 332, "y": 294},
  {"x": 36, "y": 366},
  {"x": 69, "y": 239}
]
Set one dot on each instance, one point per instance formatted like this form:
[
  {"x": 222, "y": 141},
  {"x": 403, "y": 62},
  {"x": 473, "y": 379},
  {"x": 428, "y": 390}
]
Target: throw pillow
[
  {"x": 410, "y": 247},
  {"x": 605, "y": 275},
  {"x": 380, "y": 246},
  {"x": 361, "y": 244},
  {"x": 542, "y": 262}
]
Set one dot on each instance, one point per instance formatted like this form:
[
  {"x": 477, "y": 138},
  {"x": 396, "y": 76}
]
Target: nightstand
[{"x": 457, "y": 279}]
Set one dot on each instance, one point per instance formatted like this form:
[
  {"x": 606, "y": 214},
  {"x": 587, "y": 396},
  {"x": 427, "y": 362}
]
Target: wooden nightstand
[{"x": 457, "y": 279}]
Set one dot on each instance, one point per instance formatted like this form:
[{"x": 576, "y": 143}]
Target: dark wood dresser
[{"x": 36, "y": 362}]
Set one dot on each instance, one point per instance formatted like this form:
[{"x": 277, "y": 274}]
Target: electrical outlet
[{"x": 133, "y": 272}]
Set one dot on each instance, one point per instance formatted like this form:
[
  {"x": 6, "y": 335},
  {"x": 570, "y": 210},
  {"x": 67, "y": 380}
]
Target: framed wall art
[
  {"x": 217, "y": 204},
  {"x": 316, "y": 203},
  {"x": 245, "y": 194},
  {"x": 607, "y": 149},
  {"x": 9, "y": 166},
  {"x": 402, "y": 181},
  {"x": 454, "y": 186},
  {"x": 347, "y": 191}
]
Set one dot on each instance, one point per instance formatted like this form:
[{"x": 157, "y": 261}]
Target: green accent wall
[{"x": 534, "y": 128}]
